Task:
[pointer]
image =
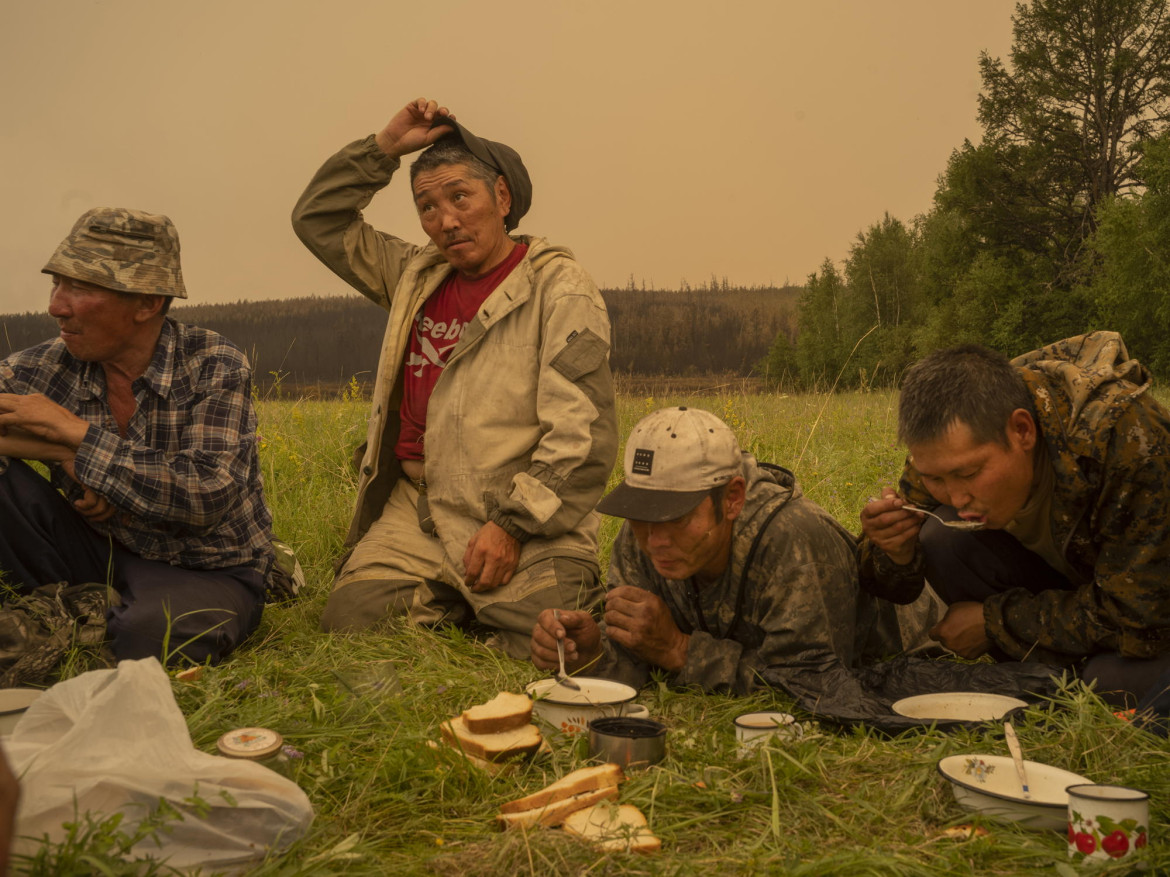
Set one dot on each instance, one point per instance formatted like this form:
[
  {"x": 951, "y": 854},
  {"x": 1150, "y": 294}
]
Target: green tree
[
  {"x": 821, "y": 346},
  {"x": 1132, "y": 290},
  {"x": 882, "y": 294},
  {"x": 780, "y": 369},
  {"x": 1089, "y": 83},
  {"x": 1005, "y": 250}
]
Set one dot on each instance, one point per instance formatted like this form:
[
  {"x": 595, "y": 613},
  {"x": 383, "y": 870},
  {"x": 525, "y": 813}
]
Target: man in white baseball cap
[{"x": 724, "y": 574}]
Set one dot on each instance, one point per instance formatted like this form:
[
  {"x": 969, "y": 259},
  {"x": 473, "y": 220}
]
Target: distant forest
[{"x": 321, "y": 344}]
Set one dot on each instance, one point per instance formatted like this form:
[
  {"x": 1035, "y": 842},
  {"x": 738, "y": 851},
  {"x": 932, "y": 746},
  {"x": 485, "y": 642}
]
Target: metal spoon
[
  {"x": 954, "y": 525},
  {"x": 563, "y": 678}
]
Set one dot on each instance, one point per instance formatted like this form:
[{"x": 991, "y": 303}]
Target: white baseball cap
[{"x": 674, "y": 457}]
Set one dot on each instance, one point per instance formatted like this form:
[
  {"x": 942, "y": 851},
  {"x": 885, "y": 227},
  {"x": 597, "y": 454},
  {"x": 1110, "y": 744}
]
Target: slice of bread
[
  {"x": 503, "y": 712},
  {"x": 555, "y": 812},
  {"x": 513, "y": 743},
  {"x": 586, "y": 779},
  {"x": 496, "y": 769},
  {"x": 613, "y": 827}
]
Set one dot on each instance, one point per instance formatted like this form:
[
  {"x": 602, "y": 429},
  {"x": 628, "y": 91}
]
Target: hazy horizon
[{"x": 666, "y": 141}]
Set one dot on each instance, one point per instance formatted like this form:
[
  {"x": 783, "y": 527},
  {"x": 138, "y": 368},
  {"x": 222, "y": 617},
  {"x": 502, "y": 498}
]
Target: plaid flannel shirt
[{"x": 186, "y": 478}]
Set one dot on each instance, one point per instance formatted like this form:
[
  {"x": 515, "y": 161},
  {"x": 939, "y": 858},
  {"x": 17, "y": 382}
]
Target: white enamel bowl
[
  {"x": 957, "y": 706},
  {"x": 990, "y": 785},
  {"x": 571, "y": 711}
]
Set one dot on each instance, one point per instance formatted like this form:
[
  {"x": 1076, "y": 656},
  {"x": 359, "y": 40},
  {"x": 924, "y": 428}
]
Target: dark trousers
[
  {"x": 973, "y": 566},
  {"x": 166, "y": 611}
]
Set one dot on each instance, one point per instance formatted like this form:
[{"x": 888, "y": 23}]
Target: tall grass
[{"x": 836, "y": 802}]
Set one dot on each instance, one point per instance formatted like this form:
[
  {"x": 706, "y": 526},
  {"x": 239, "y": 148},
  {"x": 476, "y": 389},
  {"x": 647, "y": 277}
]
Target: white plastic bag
[{"x": 113, "y": 740}]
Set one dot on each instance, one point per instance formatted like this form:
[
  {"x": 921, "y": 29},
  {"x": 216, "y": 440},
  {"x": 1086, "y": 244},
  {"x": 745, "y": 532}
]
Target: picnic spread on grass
[{"x": 569, "y": 789}]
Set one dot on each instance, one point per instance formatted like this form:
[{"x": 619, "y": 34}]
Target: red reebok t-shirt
[{"x": 437, "y": 329}]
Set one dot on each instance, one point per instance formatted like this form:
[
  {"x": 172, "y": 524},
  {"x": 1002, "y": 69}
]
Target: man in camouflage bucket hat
[
  {"x": 723, "y": 574},
  {"x": 1064, "y": 458},
  {"x": 148, "y": 431}
]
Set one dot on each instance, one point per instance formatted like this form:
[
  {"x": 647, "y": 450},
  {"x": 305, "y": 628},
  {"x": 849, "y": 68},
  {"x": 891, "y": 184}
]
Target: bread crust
[
  {"x": 505, "y": 711},
  {"x": 586, "y": 779},
  {"x": 555, "y": 812},
  {"x": 513, "y": 743}
]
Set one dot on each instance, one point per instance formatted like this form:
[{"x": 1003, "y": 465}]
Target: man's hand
[
  {"x": 962, "y": 630},
  {"x": 641, "y": 622},
  {"x": 580, "y": 632},
  {"x": 490, "y": 558},
  {"x": 410, "y": 130},
  {"x": 892, "y": 529},
  {"x": 94, "y": 506},
  {"x": 40, "y": 417}
]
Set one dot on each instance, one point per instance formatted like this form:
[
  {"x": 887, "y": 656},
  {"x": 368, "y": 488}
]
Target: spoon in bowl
[
  {"x": 1013, "y": 743},
  {"x": 563, "y": 678}
]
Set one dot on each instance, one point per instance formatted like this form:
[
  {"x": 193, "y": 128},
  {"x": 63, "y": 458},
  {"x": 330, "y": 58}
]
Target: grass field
[{"x": 832, "y": 803}]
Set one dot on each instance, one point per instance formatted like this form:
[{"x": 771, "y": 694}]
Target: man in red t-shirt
[{"x": 493, "y": 431}]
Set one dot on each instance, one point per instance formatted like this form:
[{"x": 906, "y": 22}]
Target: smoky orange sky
[{"x": 666, "y": 140}]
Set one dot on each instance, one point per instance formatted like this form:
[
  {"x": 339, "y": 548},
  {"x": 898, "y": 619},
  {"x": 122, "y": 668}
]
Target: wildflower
[{"x": 291, "y": 751}]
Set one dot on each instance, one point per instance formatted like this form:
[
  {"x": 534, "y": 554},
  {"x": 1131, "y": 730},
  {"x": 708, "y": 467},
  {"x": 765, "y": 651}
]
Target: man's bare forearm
[{"x": 20, "y": 445}]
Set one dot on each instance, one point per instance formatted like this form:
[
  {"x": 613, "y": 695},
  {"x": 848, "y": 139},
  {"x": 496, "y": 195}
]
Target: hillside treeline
[
  {"x": 1056, "y": 223},
  {"x": 299, "y": 342},
  {"x": 319, "y": 342},
  {"x": 715, "y": 329}
]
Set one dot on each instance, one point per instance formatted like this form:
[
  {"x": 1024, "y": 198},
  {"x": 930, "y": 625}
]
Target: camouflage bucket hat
[{"x": 124, "y": 250}]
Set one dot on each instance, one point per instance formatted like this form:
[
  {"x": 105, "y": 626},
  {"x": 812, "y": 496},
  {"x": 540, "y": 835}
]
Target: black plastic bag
[{"x": 864, "y": 696}]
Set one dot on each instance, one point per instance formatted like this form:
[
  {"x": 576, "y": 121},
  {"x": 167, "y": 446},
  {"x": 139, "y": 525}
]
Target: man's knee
[
  {"x": 974, "y": 566},
  {"x": 149, "y": 631},
  {"x": 560, "y": 583},
  {"x": 1124, "y": 681},
  {"x": 362, "y": 605}
]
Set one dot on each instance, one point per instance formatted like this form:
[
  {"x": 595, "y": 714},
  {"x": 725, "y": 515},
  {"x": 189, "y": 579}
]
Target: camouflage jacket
[
  {"x": 1108, "y": 442},
  {"x": 787, "y": 611}
]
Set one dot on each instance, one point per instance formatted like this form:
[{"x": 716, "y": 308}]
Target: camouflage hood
[
  {"x": 1082, "y": 378},
  {"x": 768, "y": 486},
  {"x": 1082, "y": 388}
]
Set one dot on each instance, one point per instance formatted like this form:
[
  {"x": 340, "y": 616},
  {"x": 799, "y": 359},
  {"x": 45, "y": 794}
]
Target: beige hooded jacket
[{"x": 521, "y": 427}]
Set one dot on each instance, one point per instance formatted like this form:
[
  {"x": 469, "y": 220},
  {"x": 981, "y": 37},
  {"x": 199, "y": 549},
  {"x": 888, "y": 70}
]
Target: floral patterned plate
[{"x": 989, "y": 784}]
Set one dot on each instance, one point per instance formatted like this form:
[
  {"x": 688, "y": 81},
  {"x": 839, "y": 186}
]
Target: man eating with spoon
[
  {"x": 1064, "y": 459},
  {"x": 724, "y": 575}
]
